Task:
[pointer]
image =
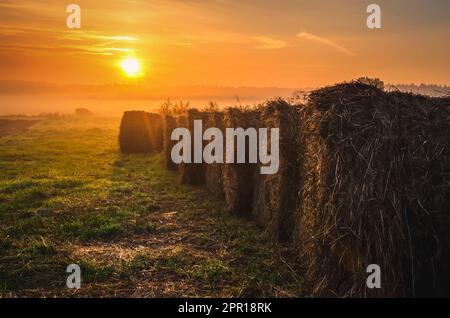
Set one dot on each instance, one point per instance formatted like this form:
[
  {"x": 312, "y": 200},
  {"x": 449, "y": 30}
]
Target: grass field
[{"x": 68, "y": 196}]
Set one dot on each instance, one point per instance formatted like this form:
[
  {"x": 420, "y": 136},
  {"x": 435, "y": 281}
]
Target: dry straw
[
  {"x": 375, "y": 188},
  {"x": 239, "y": 179},
  {"x": 275, "y": 198},
  {"x": 135, "y": 136},
  {"x": 156, "y": 131},
  {"x": 213, "y": 171},
  {"x": 141, "y": 132},
  {"x": 170, "y": 123},
  {"x": 192, "y": 173}
]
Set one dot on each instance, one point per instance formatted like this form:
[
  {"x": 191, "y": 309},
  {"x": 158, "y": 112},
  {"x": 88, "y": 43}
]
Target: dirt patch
[{"x": 15, "y": 126}]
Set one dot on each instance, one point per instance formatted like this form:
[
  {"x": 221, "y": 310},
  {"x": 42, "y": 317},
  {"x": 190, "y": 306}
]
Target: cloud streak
[
  {"x": 324, "y": 41},
  {"x": 30, "y": 40},
  {"x": 267, "y": 43}
]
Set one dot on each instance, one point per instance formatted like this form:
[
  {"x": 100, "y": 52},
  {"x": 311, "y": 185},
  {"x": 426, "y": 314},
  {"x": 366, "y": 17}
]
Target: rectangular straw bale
[
  {"x": 170, "y": 123},
  {"x": 275, "y": 199},
  {"x": 374, "y": 178},
  {"x": 213, "y": 171},
  {"x": 192, "y": 173},
  {"x": 156, "y": 131},
  {"x": 239, "y": 179}
]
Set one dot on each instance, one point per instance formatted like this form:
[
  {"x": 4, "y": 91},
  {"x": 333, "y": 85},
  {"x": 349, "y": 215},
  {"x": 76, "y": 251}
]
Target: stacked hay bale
[
  {"x": 213, "y": 171},
  {"x": 239, "y": 178},
  {"x": 425, "y": 123},
  {"x": 156, "y": 131},
  {"x": 275, "y": 198},
  {"x": 182, "y": 121},
  {"x": 192, "y": 173},
  {"x": 170, "y": 123},
  {"x": 135, "y": 136},
  {"x": 374, "y": 177}
]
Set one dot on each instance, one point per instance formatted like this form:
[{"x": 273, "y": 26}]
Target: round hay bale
[{"x": 134, "y": 135}]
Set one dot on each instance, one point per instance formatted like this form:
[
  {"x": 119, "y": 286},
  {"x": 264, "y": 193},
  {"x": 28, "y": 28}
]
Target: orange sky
[{"x": 282, "y": 43}]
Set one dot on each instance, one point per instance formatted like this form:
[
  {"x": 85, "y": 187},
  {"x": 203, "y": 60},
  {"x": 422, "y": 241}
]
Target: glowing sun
[{"x": 131, "y": 67}]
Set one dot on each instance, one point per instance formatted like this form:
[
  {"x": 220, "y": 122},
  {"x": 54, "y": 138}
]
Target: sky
[{"x": 251, "y": 43}]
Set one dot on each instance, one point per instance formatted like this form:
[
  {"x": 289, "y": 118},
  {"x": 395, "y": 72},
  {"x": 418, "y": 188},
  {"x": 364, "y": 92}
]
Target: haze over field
[
  {"x": 145, "y": 152},
  {"x": 137, "y": 53}
]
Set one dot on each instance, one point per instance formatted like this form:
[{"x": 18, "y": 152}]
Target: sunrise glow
[{"x": 131, "y": 67}]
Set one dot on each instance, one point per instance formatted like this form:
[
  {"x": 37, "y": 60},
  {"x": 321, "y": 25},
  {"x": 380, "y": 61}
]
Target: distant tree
[
  {"x": 433, "y": 90},
  {"x": 83, "y": 112},
  {"x": 55, "y": 115}
]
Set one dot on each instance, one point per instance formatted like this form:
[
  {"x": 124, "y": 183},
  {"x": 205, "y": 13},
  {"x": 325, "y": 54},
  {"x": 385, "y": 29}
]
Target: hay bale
[
  {"x": 374, "y": 177},
  {"x": 156, "y": 131},
  {"x": 170, "y": 123},
  {"x": 275, "y": 198},
  {"x": 213, "y": 171},
  {"x": 134, "y": 136},
  {"x": 192, "y": 173},
  {"x": 239, "y": 179},
  {"x": 181, "y": 122}
]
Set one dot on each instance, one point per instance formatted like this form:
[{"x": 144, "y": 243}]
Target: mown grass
[{"x": 68, "y": 196}]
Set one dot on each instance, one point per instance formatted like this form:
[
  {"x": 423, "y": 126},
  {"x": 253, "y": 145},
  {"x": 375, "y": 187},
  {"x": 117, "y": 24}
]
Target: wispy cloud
[
  {"x": 89, "y": 35},
  {"x": 67, "y": 49},
  {"x": 182, "y": 43},
  {"x": 324, "y": 41},
  {"x": 267, "y": 43},
  {"x": 31, "y": 40}
]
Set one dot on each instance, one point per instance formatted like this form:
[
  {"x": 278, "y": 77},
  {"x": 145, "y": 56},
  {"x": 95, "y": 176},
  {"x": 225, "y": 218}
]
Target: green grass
[
  {"x": 68, "y": 196},
  {"x": 207, "y": 270}
]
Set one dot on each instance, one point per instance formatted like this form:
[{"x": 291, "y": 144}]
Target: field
[
  {"x": 14, "y": 126},
  {"x": 68, "y": 196}
]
